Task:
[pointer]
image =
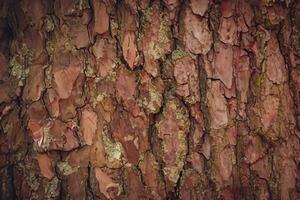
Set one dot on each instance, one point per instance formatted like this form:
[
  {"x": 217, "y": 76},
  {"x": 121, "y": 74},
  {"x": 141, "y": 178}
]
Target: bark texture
[{"x": 140, "y": 99}]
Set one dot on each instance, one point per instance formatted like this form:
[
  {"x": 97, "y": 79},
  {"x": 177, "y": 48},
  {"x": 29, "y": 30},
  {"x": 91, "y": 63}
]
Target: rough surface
[{"x": 140, "y": 99}]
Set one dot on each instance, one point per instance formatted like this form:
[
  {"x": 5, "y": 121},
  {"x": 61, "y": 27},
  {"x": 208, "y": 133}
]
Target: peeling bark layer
[{"x": 143, "y": 99}]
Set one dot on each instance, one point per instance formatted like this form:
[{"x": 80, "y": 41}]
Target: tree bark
[{"x": 140, "y": 99}]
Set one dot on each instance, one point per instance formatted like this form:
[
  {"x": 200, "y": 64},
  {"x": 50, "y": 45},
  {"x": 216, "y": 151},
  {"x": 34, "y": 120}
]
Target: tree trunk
[{"x": 140, "y": 99}]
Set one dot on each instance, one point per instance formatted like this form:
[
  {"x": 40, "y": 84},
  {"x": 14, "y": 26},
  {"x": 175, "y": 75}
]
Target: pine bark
[{"x": 140, "y": 99}]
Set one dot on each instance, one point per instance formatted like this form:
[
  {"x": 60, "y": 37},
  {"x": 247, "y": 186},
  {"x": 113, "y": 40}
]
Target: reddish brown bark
[{"x": 140, "y": 99}]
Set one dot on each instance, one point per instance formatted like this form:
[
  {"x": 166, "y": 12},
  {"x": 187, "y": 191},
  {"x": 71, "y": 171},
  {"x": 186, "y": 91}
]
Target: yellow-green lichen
[
  {"x": 48, "y": 24},
  {"x": 153, "y": 103},
  {"x": 172, "y": 173},
  {"x": 65, "y": 40},
  {"x": 101, "y": 97},
  {"x": 69, "y": 47},
  {"x": 52, "y": 189},
  {"x": 33, "y": 182},
  {"x": 50, "y": 47},
  {"x": 112, "y": 150},
  {"x": 172, "y": 170},
  {"x": 164, "y": 30},
  {"x": 114, "y": 27},
  {"x": 19, "y": 64},
  {"x": 156, "y": 48},
  {"x": 191, "y": 99},
  {"x": 259, "y": 80},
  {"x": 82, "y": 5},
  {"x": 178, "y": 54},
  {"x": 112, "y": 76},
  {"x": 47, "y": 137},
  {"x": 147, "y": 15},
  {"x": 65, "y": 168},
  {"x": 181, "y": 153},
  {"x": 142, "y": 25},
  {"x": 16, "y": 68},
  {"x": 96, "y": 99},
  {"x": 164, "y": 34},
  {"x": 88, "y": 70},
  {"x": 48, "y": 75},
  {"x": 257, "y": 84},
  {"x": 26, "y": 54},
  {"x": 144, "y": 20},
  {"x": 181, "y": 115}
]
